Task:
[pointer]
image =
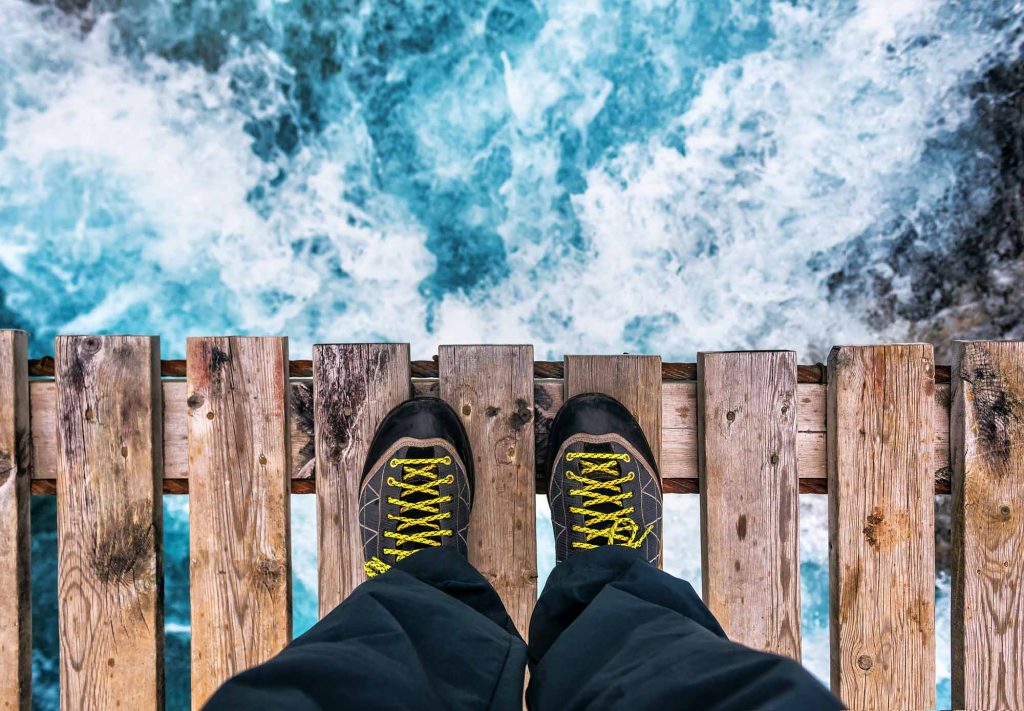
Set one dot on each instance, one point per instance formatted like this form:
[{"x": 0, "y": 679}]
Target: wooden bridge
[{"x": 110, "y": 428}]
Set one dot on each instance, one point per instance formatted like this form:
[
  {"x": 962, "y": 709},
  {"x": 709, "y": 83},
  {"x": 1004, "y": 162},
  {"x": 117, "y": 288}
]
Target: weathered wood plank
[
  {"x": 109, "y": 522},
  {"x": 987, "y": 429},
  {"x": 881, "y": 525},
  {"x": 678, "y": 449},
  {"x": 750, "y": 496},
  {"x": 491, "y": 388},
  {"x": 238, "y": 462},
  {"x": 15, "y": 538},
  {"x": 354, "y": 387},
  {"x": 635, "y": 381}
]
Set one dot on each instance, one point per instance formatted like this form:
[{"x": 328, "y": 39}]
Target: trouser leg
[
  {"x": 430, "y": 633},
  {"x": 612, "y": 631}
]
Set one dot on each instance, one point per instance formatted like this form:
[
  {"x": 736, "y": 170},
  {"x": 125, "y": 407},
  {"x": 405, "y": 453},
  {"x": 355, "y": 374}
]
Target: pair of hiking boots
[{"x": 417, "y": 487}]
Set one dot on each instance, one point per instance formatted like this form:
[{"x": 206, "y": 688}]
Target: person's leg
[
  {"x": 429, "y": 634},
  {"x": 426, "y": 631},
  {"x": 611, "y": 630}
]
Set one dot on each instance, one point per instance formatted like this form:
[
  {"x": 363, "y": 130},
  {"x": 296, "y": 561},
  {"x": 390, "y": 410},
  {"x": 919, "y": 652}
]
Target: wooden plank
[
  {"x": 15, "y": 536},
  {"x": 238, "y": 505},
  {"x": 678, "y": 449},
  {"x": 881, "y": 525},
  {"x": 109, "y": 522},
  {"x": 750, "y": 496},
  {"x": 491, "y": 388},
  {"x": 354, "y": 387},
  {"x": 988, "y": 540},
  {"x": 635, "y": 381}
]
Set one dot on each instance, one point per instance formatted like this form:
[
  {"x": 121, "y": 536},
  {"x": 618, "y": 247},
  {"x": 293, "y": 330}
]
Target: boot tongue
[
  {"x": 603, "y": 448},
  {"x": 414, "y": 497}
]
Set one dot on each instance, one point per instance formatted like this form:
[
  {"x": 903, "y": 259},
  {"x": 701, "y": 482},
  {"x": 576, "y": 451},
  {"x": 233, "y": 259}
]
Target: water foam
[{"x": 134, "y": 197}]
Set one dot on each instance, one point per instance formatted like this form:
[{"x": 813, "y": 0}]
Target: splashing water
[
  {"x": 656, "y": 176},
  {"x": 651, "y": 176}
]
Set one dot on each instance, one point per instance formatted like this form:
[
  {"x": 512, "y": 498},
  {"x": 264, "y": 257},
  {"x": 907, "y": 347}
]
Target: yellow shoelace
[
  {"x": 616, "y": 527},
  {"x": 424, "y": 470}
]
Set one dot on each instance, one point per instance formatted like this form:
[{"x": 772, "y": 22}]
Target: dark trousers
[{"x": 609, "y": 631}]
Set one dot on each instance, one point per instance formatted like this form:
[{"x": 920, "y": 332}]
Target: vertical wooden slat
[
  {"x": 987, "y": 438},
  {"x": 881, "y": 525},
  {"x": 109, "y": 521},
  {"x": 491, "y": 387},
  {"x": 635, "y": 381},
  {"x": 239, "y": 469},
  {"x": 15, "y": 543},
  {"x": 354, "y": 387},
  {"x": 749, "y": 491}
]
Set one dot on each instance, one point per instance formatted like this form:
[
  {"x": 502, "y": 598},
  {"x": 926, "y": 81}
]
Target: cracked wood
[
  {"x": 987, "y": 422},
  {"x": 109, "y": 521}
]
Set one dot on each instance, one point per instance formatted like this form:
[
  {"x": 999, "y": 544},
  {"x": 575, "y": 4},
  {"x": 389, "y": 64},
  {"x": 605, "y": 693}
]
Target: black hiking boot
[
  {"x": 603, "y": 488},
  {"x": 417, "y": 488}
]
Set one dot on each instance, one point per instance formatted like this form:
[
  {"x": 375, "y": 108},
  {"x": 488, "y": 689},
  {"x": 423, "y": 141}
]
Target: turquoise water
[{"x": 585, "y": 175}]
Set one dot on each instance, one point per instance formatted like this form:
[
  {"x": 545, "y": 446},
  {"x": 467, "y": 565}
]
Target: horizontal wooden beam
[
  {"x": 48, "y": 487},
  {"x": 813, "y": 373},
  {"x": 678, "y": 434}
]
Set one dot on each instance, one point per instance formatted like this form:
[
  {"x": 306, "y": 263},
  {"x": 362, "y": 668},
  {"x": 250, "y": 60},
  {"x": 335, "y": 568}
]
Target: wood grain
[
  {"x": 987, "y": 429},
  {"x": 238, "y": 505},
  {"x": 491, "y": 388},
  {"x": 15, "y": 532},
  {"x": 881, "y": 525},
  {"x": 109, "y": 522},
  {"x": 354, "y": 387},
  {"x": 635, "y": 381},
  {"x": 747, "y": 404}
]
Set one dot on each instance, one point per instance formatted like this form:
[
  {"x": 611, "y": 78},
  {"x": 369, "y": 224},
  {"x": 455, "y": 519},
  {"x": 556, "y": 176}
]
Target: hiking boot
[
  {"x": 604, "y": 488},
  {"x": 417, "y": 488}
]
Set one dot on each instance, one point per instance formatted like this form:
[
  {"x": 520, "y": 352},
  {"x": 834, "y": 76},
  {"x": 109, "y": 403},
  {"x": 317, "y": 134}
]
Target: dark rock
[{"x": 959, "y": 272}]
